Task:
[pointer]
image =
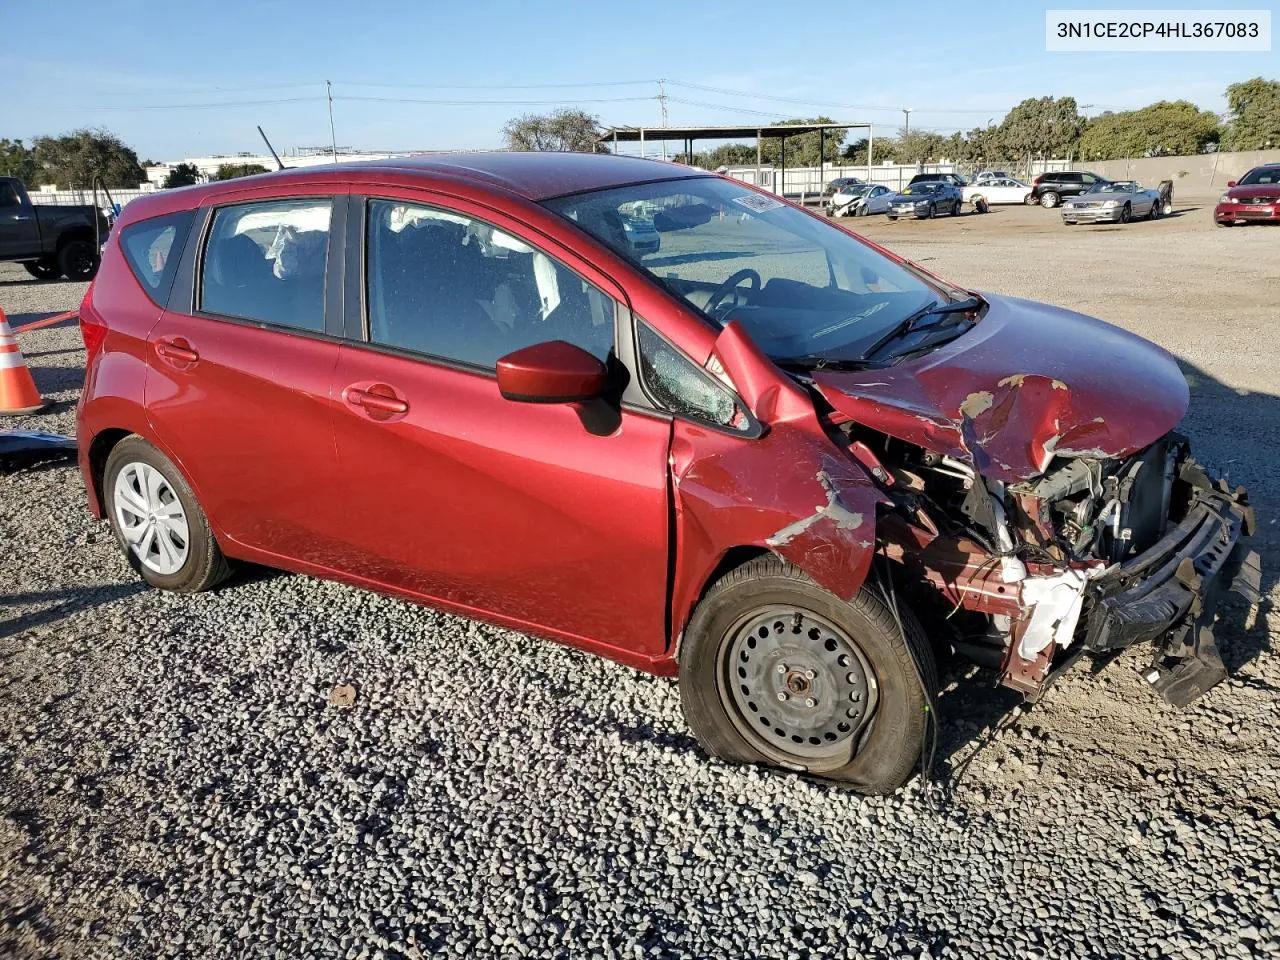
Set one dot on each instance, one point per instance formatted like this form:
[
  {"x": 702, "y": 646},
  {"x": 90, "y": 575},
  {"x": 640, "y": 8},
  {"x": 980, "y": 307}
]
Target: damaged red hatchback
[{"x": 660, "y": 416}]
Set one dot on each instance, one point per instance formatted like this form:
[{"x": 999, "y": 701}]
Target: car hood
[
  {"x": 1027, "y": 383},
  {"x": 913, "y": 197},
  {"x": 1254, "y": 190}
]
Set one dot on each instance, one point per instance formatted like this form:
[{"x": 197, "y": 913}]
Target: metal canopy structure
[{"x": 782, "y": 131}]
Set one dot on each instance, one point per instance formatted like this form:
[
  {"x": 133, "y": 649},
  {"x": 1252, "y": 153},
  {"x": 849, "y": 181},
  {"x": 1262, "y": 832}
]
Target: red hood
[
  {"x": 1028, "y": 382},
  {"x": 1254, "y": 190}
]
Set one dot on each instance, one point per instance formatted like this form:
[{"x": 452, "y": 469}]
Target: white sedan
[
  {"x": 860, "y": 199},
  {"x": 999, "y": 190}
]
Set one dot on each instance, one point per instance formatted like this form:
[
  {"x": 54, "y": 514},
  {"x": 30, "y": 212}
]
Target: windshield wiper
[{"x": 911, "y": 321}]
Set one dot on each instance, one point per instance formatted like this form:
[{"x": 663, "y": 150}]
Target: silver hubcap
[
  {"x": 151, "y": 518},
  {"x": 798, "y": 685}
]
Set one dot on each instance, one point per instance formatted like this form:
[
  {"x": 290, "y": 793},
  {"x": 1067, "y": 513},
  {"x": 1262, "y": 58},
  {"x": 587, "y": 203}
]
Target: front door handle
[
  {"x": 177, "y": 350},
  {"x": 376, "y": 398}
]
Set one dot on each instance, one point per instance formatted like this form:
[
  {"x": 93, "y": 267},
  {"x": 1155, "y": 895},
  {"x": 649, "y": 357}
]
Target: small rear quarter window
[{"x": 152, "y": 249}]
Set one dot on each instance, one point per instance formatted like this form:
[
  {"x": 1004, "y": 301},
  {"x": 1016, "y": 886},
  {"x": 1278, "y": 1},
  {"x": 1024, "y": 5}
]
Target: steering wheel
[{"x": 730, "y": 285}]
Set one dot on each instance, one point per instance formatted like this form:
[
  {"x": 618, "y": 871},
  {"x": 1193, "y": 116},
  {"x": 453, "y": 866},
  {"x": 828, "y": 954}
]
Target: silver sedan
[
  {"x": 1117, "y": 202},
  {"x": 860, "y": 200}
]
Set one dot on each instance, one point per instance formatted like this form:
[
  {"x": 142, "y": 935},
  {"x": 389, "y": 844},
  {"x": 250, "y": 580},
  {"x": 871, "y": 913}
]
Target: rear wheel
[
  {"x": 158, "y": 522},
  {"x": 1049, "y": 199},
  {"x": 775, "y": 670},
  {"x": 78, "y": 260},
  {"x": 46, "y": 269}
]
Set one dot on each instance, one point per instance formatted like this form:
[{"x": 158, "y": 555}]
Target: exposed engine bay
[{"x": 1092, "y": 555}]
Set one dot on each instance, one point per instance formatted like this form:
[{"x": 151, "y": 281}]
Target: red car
[
  {"x": 763, "y": 455},
  {"x": 1255, "y": 197}
]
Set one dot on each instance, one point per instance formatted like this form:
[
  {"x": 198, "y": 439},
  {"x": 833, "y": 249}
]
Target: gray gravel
[{"x": 175, "y": 780}]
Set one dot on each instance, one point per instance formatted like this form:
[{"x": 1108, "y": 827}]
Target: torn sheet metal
[{"x": 1029, "y": 382}]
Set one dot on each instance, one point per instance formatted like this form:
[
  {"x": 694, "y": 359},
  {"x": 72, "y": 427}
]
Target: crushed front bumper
[{"x": 1169, "y": 593}]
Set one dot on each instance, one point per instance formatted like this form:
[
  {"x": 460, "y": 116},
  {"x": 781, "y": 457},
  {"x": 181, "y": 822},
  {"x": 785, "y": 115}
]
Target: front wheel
[
  {"x": 157, "y": 521},
  {"x": 1226, "y": 223},
  {"x": 892, "y": 217},
  {"x": 1126, "y": 213},
  {"x": 78, "y": 260},
  {"x": 933, "y": 211},
  {"x": 775, "y": 670},
  {"x": 46, "y": 269}
]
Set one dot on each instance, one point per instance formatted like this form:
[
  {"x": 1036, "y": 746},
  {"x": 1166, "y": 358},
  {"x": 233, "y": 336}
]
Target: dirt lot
[{"x": 173, "y": 781}]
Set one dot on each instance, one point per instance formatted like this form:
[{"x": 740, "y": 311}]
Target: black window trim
[
  {"x": 356, "y": 286},
  {"x": 333, "y": 268}
]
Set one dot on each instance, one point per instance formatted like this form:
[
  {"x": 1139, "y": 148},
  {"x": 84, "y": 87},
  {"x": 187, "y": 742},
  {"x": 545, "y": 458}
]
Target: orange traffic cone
[{"x": 18, "y": 393}]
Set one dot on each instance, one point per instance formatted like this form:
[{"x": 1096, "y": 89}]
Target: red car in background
[
  {"x": 763, "y": 455},
  {"x": 1255, "y": 197}
]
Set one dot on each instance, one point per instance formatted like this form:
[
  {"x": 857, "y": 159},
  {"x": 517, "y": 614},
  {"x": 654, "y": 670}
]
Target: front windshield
[
  {"x": 855, "y": 189},
  {"x": 927, "y": 186},
  {"x": 1260, "y": 175},
  {"x": 1113, "y": 188},
  {"x": 800, "y": 286}
]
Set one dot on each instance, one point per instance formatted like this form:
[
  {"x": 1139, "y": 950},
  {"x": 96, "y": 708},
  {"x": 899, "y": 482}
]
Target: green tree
[
  {"x": 561, "y": 130},
  {"x": 802, "y": 150},
  {"x": 17, "y": 161},
  {"x": 856, "y": 152},
  {"x": 1042, "y": 127},
  {"x": 1162, "y": 129},
  {"x": 183, "y": 175},
  {"x": 74, "y": 159},
  {"x": 919, "y": 146},
  {"x": 1253, "y": 112},
  {"x": 232, "y": 171}
]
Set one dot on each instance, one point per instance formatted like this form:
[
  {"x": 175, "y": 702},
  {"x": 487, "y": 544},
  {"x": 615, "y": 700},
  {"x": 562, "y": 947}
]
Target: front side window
[
  {"x": 9, "y": 195},
  {"x": 266, "y": 262},
  {"x": 152, "y": 249},
  {"x": 677, "y": 384},
  {"x": 803, "y": 289},
  {"x": 450, "y": 286}
]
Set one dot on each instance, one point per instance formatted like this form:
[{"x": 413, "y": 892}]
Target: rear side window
[
  {"x": 152, "y": 248},
  {"x": 9, "y": 195},
  {"x": 266, "y": 262}
]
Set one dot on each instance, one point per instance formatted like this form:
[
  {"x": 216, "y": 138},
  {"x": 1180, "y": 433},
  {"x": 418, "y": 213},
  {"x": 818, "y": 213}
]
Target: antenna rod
[
  {"x": 279, "y": 165},
  {"x": 332, "y": 138}
]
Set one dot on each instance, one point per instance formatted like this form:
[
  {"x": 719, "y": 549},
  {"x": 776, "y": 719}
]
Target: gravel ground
[{"x": 177, "y": 783}]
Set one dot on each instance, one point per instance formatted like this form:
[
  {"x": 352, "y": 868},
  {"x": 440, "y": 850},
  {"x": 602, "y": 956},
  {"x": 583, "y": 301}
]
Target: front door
[
  {"x": 550, "y": 516},
  {"x": 19, "y": 232},
  {"x": 239, "y": 375}
]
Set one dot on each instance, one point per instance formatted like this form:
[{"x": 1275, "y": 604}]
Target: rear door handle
[
  {"x": 376, "y": 398},
  {"x": 177, "y": 350}
]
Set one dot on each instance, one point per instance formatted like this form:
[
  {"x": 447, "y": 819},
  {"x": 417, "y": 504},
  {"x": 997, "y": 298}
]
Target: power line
[
  {"x": 499, "y": 103},
  {"x": 497, "y": 86},
  {"x": 812, "y": 103},
  {"x": 202, "y": 106}
]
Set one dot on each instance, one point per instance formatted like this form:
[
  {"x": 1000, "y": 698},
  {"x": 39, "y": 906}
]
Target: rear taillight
[
  {"x": 1036, "y": 181},
  {"x": 92, "y": 329}
]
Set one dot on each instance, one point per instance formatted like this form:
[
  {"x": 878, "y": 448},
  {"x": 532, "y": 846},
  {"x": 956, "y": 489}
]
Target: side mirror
[
  {"x": 550, "y": 372},
  {"x": 1230, "y": 184}
]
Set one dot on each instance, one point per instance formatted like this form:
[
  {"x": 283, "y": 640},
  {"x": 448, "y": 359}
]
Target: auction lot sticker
[
  {"x": 758, "y": 203},
  {"x": 1157, "y": 30}
]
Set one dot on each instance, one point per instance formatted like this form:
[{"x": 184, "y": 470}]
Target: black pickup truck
[{"x": 50, "y": 240}]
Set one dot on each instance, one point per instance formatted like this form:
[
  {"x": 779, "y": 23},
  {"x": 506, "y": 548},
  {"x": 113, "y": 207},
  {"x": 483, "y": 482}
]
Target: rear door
[
  {"x": 551, "y": 516},
  {"x": 240, "y": 366}
]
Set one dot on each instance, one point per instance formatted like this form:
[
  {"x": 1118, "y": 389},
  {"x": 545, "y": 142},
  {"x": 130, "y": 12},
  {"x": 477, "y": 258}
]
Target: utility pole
[
  {"x": 662, "y": 101},
  {"x": 328, "y": 87},
  {"x": 1086, "y": 107},
  {"x": 906, "y": 126}
]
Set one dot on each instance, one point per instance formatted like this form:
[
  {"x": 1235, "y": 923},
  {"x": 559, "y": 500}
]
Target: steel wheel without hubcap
[
  {"x": 796, "y": 685},
  {"x": 151, "y": 518}
]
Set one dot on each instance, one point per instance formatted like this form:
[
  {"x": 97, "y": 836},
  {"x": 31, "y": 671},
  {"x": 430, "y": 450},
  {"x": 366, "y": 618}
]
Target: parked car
[
  {"x": 49, "y": 240},
  {"x": 1117, "y": 202},
  {"x": 925, "y": 200},
  {"x": 997, "y": 190},
  {"x": 954, "y": 179},
  {"x": 837, "y": 184},
  {"x": 1048, "y": 189},
  {"x": 859, "y": 200},
  {"x": 1256, "y": 196},
  {"x": 986, "y": 175},
  {"x": 455, "y": 380},
  {"x": 641, "y": 234}
]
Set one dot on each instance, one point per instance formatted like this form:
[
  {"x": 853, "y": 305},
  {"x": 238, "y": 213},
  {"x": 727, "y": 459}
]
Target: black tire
[
  {"x": 892, "y": 217},
  {"x": 1226, "y": 223},
  {"x": 1126, "y": 213},
  {"x": 933, "y": 211},
  {"x": 46, "y": 269},
  {"x": 204, "y": 566},
  {"x": 78, "y": 260},
  {"x": 1032, "y": 200},
  {"x": 1049, "y": 199},
  {"x": 876, "y": 757}
]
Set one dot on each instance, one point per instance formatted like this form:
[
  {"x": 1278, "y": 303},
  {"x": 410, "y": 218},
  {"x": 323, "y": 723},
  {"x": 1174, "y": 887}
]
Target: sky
[{"x": 183, "y": 80}]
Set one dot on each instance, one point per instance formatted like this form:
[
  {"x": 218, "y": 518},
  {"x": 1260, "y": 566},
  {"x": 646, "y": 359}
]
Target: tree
[
  {"x": 74, "y": 159},
  {"x": 231, "y": 171},
  {"x": 1042, "y": 127},
  {"x": 725, "y": 155},
  {"x": 17, "y": 161},
  {"x": 918, "y": 146},
  {"x": 1253, "y": 111},
  {"x": 802, "y": 150},
  {"x": 183, "y": 175},
  {"x": 561, "y": 130},
  {"x": 1162, "y": 129},
  {"x": 856, "y": 152}
]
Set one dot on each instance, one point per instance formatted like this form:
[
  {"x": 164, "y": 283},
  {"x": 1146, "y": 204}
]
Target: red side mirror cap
[
  {"x": 550, "y": 372},
  {"x": 1230, "y": 184}
]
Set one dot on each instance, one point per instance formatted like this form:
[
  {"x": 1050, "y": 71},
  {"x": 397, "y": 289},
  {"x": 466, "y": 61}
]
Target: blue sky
[{"x": 179, "y": 80}]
